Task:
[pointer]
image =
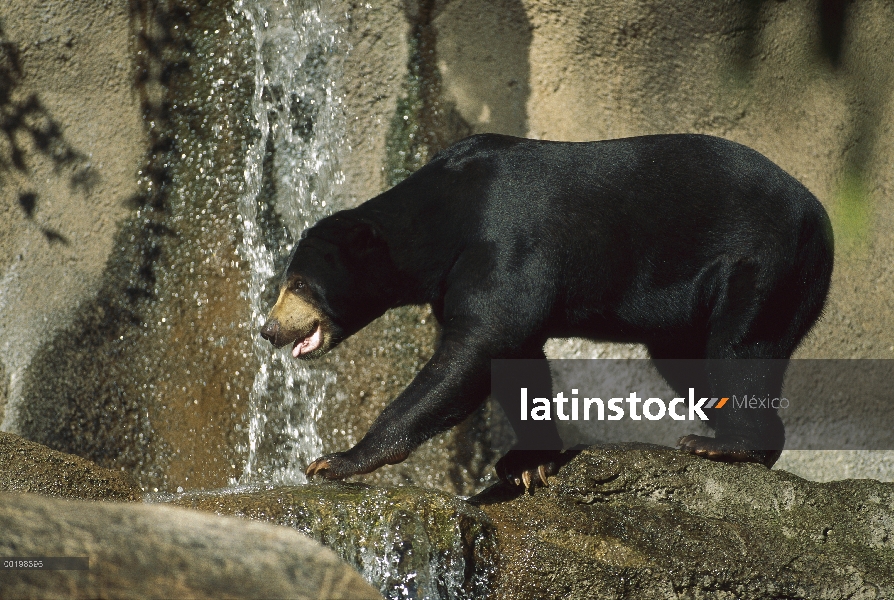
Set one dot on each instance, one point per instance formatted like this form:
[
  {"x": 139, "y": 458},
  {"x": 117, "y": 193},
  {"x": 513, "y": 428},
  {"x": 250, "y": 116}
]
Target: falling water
[{"x": 292, "y": 177}]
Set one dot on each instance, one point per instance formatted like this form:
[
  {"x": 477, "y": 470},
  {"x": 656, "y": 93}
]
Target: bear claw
[
  {"x": 528, "y": 477},
  {"x": 532, "y": 468},
  {"x": 316, "y": 466},
  {"x": 541, "y": 470}
]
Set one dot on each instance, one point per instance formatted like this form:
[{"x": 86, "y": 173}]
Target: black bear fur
[{"x": 695, "y": 246}]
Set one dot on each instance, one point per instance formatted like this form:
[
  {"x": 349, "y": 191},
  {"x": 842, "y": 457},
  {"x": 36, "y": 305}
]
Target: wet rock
[
  {"x": 27, "y": 466},
  {"x": 618, "y": 521},
  {"x": 151, "y": 551},
  {"x": 637, "y": 521},
  {"x": 410, "y": 542}
]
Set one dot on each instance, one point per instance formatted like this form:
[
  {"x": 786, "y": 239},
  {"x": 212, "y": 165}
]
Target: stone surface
[
  {"x": 145, "y": 551},
  {"x": 163, "y": 267},
  {"x": 96, "y": 287},
  {"x": 409, "y": 542},
  {"x": 646, "y": 522},
  {"x": 30, "y": 467},
  {"x": 618, "y": 521},
  {"x": 70, "y": 114},
  {"x": 833, "y": 465}
]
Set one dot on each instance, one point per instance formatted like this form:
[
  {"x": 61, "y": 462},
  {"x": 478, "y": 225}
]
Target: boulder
[
  {"x": 156, "y": 551},
  {"x": 648, "y": 522},
  {"x": 619, "y": 521},
  {"x": 27, "y": 466}
]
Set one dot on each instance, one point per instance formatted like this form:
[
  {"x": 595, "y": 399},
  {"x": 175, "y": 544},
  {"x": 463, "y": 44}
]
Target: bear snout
[
  {"x": 270, "y": 332},
  {"x": 294, "y": 319}
]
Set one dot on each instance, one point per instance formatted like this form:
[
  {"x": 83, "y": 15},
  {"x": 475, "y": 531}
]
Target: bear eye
[{"x": 299, "y": 285}]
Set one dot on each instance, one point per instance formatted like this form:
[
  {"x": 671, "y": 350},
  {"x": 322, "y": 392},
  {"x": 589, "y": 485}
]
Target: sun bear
[{"x": 696, "y": 246}]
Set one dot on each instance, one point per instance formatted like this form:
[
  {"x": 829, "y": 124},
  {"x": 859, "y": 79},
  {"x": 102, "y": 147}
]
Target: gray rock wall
[
  {"x": 70, "y": 148},
  {"x": 84, "y": 156}
]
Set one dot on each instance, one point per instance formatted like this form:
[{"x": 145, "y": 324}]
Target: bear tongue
[{"x": 308, "y": 344}]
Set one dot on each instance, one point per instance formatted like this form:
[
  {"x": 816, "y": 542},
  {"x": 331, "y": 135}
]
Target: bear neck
[{"x": 425, "y": 235}]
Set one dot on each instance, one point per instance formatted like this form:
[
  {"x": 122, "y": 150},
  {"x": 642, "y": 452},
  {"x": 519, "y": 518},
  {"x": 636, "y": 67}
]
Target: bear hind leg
[{"x": 747, "y": 352}]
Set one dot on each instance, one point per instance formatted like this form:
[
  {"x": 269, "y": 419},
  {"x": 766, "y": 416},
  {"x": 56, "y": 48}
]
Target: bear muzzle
[{"x": 294, "y": 320}]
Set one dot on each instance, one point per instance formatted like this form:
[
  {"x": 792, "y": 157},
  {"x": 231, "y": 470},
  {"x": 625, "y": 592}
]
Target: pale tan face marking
[{"x": 296, "y": 316}]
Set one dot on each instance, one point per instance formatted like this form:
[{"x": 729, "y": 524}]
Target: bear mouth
[{"x": 308, "y": 344}]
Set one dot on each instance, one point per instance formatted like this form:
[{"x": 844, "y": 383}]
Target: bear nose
[{"x": 270, "y": 330}]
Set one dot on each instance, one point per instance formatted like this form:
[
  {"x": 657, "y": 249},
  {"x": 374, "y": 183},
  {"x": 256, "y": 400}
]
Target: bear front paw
[
  {"x": 323, "y": 467},
  {"x": 339, "y": 465}
]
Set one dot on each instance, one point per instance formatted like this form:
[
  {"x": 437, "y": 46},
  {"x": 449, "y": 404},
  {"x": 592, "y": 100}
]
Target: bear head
[{"x": 338, "y": 280}]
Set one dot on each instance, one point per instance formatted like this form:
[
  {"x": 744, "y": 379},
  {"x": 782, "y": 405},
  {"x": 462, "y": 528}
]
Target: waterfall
[{"x": 292, "y": 178}]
